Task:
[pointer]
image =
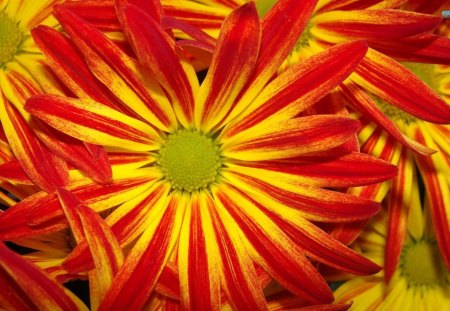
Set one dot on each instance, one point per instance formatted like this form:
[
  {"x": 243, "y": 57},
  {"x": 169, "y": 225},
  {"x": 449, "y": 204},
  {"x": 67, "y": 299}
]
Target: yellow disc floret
[
  {"x": 10, "y": 38},
  {"x": 189, "y": 160}
]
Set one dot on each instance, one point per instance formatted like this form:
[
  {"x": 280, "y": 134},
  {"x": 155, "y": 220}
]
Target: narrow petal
[
  {"x": 49, "y": 174},
  {"x": 156, "y": 49},
  {"x": 292, "y": 138},
  {"x": 240, "y": 37},
  {"x": 100, "y": 13},
  {"x": 132, "y": 288},
  {"x": 45, "y": 292},
  {"x": 70, "y": 204},
  {"x": 198, "y": 264},
  {"x": 364, "y": 169},
  {"x": 371, "y": 24},
  {"x": 107, "y": 254},
  {"x": 117, "y": 71},
  {"x": 313, "y": 203},
  {"x": 398, "y": 86},
  {"x": 271, "y": 247},
  {"x": 12, "y": 171},
  {"x": 361, "y": 102},
  {"x": 12, "y": 296},
  {"x": 398, "y": 209},
  {"x": 98, "y": 125},
  {"x": 299, "y": 87}
]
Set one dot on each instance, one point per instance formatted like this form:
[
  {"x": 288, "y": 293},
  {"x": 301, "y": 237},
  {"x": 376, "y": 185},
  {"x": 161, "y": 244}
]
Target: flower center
[
  {"x": 10, "y": 38},
  {"x": 189, "y": 160},
  {"x": 425, "y": 72},
  {"x": 421, "y": 264},
  {"x": 264, "y": 5}
]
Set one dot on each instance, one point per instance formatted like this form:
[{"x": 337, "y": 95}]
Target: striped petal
[
  {"x": 398, "y": 86},
  {"x": 428, "y": 48},
  {"x": 240, "y": 37},
  {"x": 132, "y": 288},
  {"x": 12, "y": 171},
  {"x": 156, "y": 49},
  {"x": 299, "y": 87},
  {"x": 49, "y": 174},
  {"x": 90, "y": 159},
  {"x": 198, "y": 264},
  {"x": 398, "y": 209},
  {"x": 361, "y": 102},
  {"x": 43, "y": 291},
  {"x": 93, "y": 122},
  {"x": 271, "y": 247},
  {"x": 371, "y": 24},
  {"x": 100, "y": 13},
  {"x": 281, "y": 28},
  {"x": 292, "y": 138},
  {"x": 42, "y": 213},
  {"x": 117, "y": 71},
  {"x": 108, "y": 256},
  {"x": 364, "y": 169},
  {"x": 314, "y": 204}
]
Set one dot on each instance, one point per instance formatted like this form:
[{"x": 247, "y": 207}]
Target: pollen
[
  {"x": 189, "y": 160},
  {"x": 421, "y": 264},
  {"x": 10, "y": 38}
]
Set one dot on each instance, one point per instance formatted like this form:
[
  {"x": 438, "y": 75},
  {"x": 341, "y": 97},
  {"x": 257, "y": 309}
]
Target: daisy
[
  {"x": 234, "y": 179},
  {"x": 420, "y": 281}
]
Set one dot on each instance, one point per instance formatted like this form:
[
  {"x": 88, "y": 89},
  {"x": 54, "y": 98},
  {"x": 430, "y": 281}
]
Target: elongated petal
[
  {"x": 428, "y": 48},
  {"x": 48, "y": 174},
  {"x": 240, "y": 37},
  {"x": 117, "y": 71},
  {"x": 70, "y": 204},
  {"x": 364, "y": 169},
  {"x": 12, "y": 171},
  {"x": 371, "y": 24},
  {"x": 12, "y": 297},
  {"x": 313, "y": 203},
  {"x": 41, "y": 213},
  {"x": 100, "y": 13},
  {"x": 362, "y": 103},
  {"x": 398, "y": 86},
  {"x": 273, "y": 250},
  {"x": 131, "y": 288},
  {"x": 292, "y": 138},
  {"x": 198, "y": 264},
  {"x": 398, "y": 208},
  {"x": 300, "y": 86},
  {"x": 45, "y": 292},
  {"x": 156, "y": 50},
  {"x": 108, "y": 256},
  {"x": 93, "y": 122}
]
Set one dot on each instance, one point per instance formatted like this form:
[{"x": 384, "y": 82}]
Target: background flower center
[
  {"x": 189, "y": 160},
  {"x": 421, "y": 264},
  {"x": 10, "y": 38}
]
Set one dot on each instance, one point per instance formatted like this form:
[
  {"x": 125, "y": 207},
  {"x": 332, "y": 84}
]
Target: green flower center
[
  {"x": 264, "y": 5},
  {"x": 189, "y": 160},
  {"x": 425, "y": 72},
  {"x": 10, "y": 38},
  {"x": 421, "y": 264}
]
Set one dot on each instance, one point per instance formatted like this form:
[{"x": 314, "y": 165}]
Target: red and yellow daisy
[{"x": 235, "y": 178}]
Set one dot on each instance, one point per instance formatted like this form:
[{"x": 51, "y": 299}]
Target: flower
[
  {"x": 260, "y": 171},
  {"x": 420, "y": 280}
]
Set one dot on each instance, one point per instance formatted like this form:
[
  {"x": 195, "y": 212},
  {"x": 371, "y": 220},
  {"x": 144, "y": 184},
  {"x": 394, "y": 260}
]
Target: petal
[
  {"x": 271, "y": 247},
  {"x": 117, "y": 71},
  {"x": 156, "y": 50},
  {"x": 131, "y": 288},
  {"x": 313, "y": 203},
  {"x": 364, "y": 169},
  {"x": 398, "y": 209},
  {"x": 12, "y": 171},
  {"x": 48, "y": 174},
  {"x": 371, "y": 24},
  {"x": 70, "y": 204},
  {"x": 398, "y": 86},
  {"x": 299, "y": 87},
  {"x": 428, "y": 48},
  {"x": 240, "y": 37},
  {"x": 361, "y": 102},
  {"x": 107, "y": 254},
  {"x": 45, "y": 292},
  {"x": 198, "y": 264},
  {"x": 93, "y": 122},
  {"x": 292, "y": 138}
]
